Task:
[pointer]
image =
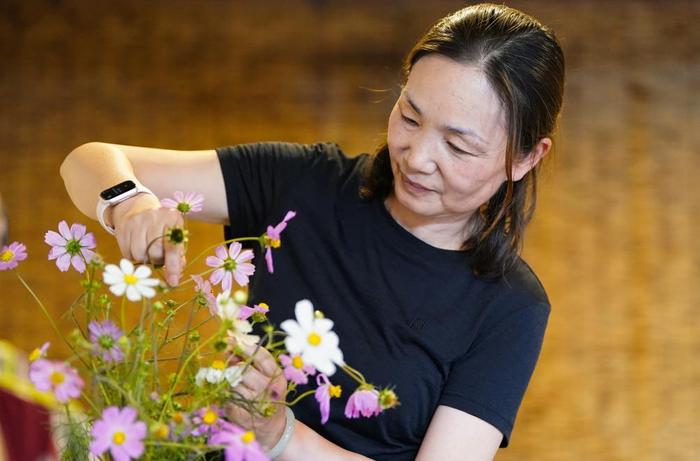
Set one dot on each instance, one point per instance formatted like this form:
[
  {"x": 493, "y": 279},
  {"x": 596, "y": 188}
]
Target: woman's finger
[{"x": 262, "y": 360}]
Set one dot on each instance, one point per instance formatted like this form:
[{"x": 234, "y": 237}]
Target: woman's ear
[{"x": 521, "y": 167}]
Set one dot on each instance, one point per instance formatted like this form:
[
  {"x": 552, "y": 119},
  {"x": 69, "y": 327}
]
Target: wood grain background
[{"x": 614, "y": 240}]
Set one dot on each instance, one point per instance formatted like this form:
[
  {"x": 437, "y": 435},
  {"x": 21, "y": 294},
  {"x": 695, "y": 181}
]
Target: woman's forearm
[{"x": 308, "y": 445}]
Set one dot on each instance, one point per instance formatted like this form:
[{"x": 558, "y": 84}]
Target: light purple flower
[
  {"x": 246, "y": 311},
  {"x": 323, "y": 394},
  {"x": 11, "y": 255},
  {"x": 70, "y": 246},
  {"x": 272, "y": 239},
  {"x": 363, "y": 402},
  {"x": 208, "y": 421},
  {"x": 57, "y": 377},
  {"x": 119, "y": 432},
  {"x": 240, "y": 445},
  {"x": 104, "y": 337},
  {"x": 184, "y": 202},
  {"x": 231, "y": 265},
  {"x": 295, "y": 369},
  {"x": 205, "y": 293}
]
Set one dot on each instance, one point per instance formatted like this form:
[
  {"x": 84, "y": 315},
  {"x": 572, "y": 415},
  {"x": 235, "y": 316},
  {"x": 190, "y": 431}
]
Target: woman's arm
[{"x": 95, "y": 166}]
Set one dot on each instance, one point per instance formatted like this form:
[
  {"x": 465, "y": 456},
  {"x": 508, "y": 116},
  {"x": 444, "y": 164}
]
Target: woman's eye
[
  {"x": 409, "y": 120},
  {"x": 458, "y": 150}
]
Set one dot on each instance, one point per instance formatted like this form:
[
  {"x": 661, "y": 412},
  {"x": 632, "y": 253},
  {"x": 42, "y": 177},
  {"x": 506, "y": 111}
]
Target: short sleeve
[
  {"x": 258, "y": 177},
  {"x": 490, "y": 379}
]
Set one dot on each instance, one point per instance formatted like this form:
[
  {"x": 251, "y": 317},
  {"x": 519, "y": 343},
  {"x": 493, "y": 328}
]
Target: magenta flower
[
  {"x": 119, "y": 432},
  {"x": 11, "y": 255},
  {"x": 323, "y": 394},
  {"x": 208, "y": 421},
  {"x": 231, "y": 265},
  {"x": 239, "y": 444},
  {"x": 189, "y": 202},
  {"x": 70, "y": 246},
  {"x": 271, "y": 239},
  {"x": 57, "y": 377},
  {"x": 295, "y": 369},
  {"x": 104, "y": 337},
  {"x": 363, "y": 402},
  {"x": 205, "y": 295},
  {"x": 246, "y": 312}
]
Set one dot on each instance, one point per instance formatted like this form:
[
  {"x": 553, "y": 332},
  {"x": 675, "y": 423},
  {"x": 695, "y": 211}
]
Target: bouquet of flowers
[{"x": 150, "y": 389}]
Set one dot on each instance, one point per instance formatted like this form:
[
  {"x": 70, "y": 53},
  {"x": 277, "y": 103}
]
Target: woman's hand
[
  {"x": 263, "y": 380},
  {"x": 141, "y": 220}
]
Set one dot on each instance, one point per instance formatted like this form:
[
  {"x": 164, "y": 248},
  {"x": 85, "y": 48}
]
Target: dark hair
[{"x": 524, "y": 65}]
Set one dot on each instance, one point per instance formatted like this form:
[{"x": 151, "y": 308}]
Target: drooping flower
[
  {"x": 271, "y": 239},
  {"x": 313, "y": 339},
  {"x": 11, "y": 255},
  {"x": 70, "y": 246},
  {"x": 205, "y": 295},
  {"x": 364, "y": 401},
  {"x": 239, "y": 444},
  {"x": 57, "y": 377},
  {"x": 104, "y": 337},
  {"x": 247, "y": 312},
  {"x": 388, "y": 399},
  {"x": 323, "y": 394},
  {"x": 39, "y": 352},
  {"x": 120, "y": 432},
  {"x": 295, "y": 369},
  {"x": 217, "y": 372},
  {"x": 207, "y": 421},
  {"x": 184, "y": 202},
  {"x": 231, "y": 265},
  {"x": 136, "y": 283}
]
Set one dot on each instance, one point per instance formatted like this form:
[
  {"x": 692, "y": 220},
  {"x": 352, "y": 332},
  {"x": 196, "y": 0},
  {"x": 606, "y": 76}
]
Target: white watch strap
[{"x": 103, "y": 204}]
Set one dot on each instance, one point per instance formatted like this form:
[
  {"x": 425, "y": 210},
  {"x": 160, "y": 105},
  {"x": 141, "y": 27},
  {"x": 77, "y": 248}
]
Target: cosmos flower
[
  {"x": 271, "y": 239},
  {"x": 231, "y": 265},
  {"x": 104, "y": 337},
  {"x": 323, "y": 394},
  {"x": 119, "y": 432},
  {"x": 57, "y": 377},
  {"x": 184, "y": 202},
  {"x": 11, "y": 255},
  {"x": 136, "y": 283},
  {"x": 295, "y": 369},
  {"x": 365, "y": 402},
  {"x": 240, "y": 445},
  {"x": 70, "y": 246},
  {"x": 313, "y": 339}
]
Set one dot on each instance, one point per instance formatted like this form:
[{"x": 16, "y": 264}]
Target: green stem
[
  {"x": 295, "y": 401},
  {"x": 356, "y": 375}
]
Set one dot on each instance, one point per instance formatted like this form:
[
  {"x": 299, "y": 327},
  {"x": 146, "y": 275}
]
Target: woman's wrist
[{"x": 286, "y": 436}]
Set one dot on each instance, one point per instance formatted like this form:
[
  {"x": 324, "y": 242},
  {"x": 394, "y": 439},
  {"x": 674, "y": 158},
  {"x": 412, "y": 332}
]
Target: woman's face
[{"x": 447, "y": 141}]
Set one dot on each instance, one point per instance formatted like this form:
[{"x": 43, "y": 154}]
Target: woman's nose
[{"x": 420, "y": 153}]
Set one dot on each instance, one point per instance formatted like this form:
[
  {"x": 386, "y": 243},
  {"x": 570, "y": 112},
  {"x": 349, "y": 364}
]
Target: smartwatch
[{"x": 117, "y": 194}]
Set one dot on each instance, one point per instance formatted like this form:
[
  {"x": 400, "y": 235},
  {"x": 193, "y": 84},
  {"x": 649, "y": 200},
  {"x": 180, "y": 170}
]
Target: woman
[{"x": 413, "y": 252}]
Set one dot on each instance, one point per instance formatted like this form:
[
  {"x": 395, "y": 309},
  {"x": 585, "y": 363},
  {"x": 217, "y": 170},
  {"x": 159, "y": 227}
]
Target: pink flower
[
  {"x": 120, "y": 433},
  {"x": 208, "y": 421},
  {"x": 240, "y": 445},
  {"x": 363, "y": 402},
  {"x": 57, "y": 377},
  {"x": 104, "y": 338},
  {"x": 11, "y": 255},
  {"x": 323, "y": 394},
  {"x": 70, "y": 246},
  {"x": 295, "y": 369},
  {"x": 189, "y": 202},
  {"x": 231, "y": 265},
  {"x": 205, "y": 295},
  {"x": 247, "y": 311},
  {"x": 271, "y": 239}
]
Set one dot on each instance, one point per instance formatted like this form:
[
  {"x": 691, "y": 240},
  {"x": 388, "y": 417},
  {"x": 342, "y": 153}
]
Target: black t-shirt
[{"x": 407, "y": 314}]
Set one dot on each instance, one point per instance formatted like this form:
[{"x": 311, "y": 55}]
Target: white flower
[
  {"x": 226, "y": 306},
  {"x": 228, "y": 309},
  {"x": 124, "y": 278},
  {"x": 313, "y": 339},
  {"x": 218, "y": 372}
]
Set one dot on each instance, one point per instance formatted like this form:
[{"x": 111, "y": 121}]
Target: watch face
[{"x": 117, "y": 190}]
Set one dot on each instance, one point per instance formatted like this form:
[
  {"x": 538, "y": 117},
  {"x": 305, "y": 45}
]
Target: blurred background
[{"x": 614, "y": 239}]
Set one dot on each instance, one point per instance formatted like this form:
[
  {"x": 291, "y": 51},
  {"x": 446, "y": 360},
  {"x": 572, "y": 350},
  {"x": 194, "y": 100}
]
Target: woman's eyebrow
[{"x": 462, "y": 131}]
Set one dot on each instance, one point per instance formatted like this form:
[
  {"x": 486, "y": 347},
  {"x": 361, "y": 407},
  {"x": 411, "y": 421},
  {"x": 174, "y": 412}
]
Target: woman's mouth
[{"x": 414, "y": 187}]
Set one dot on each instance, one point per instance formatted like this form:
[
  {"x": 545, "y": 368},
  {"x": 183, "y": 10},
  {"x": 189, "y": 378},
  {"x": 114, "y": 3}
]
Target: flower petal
[
  {"x": 304, "y": 312},
  {"x": 54, "y": 239},
  {"x": 64, "y": 230}
]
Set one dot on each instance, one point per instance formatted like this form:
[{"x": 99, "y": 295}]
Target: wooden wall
[{"x": 614, "y": 239}]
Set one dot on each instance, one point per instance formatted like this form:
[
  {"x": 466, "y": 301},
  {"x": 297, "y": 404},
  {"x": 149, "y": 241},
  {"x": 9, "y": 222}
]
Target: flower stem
[{"x": 295, "y": 401}]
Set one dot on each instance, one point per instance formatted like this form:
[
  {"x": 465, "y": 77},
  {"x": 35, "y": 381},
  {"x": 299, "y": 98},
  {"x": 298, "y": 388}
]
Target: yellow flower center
[
  {"x": 264, "y": 306},
  {"x": 335, "y": 391},
  {"x": 57, "y": 378},
  {"x": 297, "y": 362},
  {"x": 275, "y": 243},
  {"x": 314, "y": 339},
  {"x": 119, "y": 438},
  {"x": 7, "y": 255},
  {"x": 178, "y": 418},
  {"x": 163, "y": 431},
  {"x": 34, "y": 356},
  {"x": 130, "y": 279},
  {"x": 210, "y": 417},
  {"x": 218, "y": 364},
  {"x": 247, "y": 437}
]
